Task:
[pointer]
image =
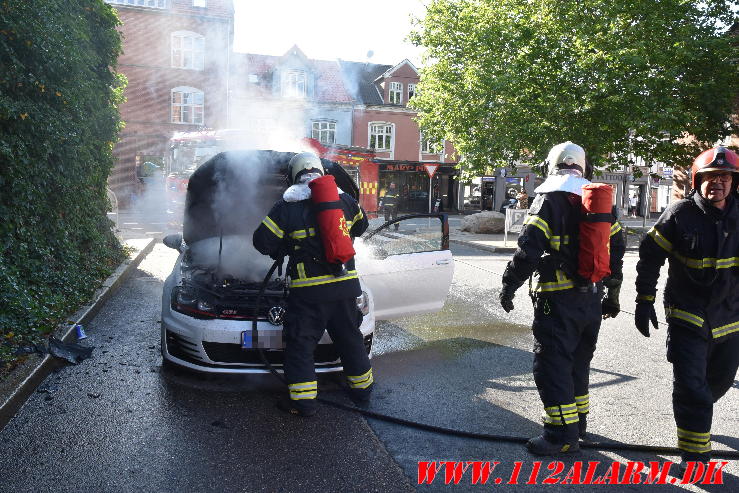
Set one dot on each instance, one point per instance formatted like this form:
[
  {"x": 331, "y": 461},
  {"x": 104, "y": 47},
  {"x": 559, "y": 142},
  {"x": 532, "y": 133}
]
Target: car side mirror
[{"x": 174, "y": 241}]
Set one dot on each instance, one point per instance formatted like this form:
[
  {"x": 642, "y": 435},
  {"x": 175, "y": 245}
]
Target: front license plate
[{"x": 247, "y": 341}]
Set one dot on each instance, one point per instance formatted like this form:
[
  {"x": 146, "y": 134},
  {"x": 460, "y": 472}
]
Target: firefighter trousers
[
  {"x": 565, "y": 333},
  {"x": 391, "y": 212},
  {"x": 305, "y": 322},
  {"x": 703, "y": 371}
]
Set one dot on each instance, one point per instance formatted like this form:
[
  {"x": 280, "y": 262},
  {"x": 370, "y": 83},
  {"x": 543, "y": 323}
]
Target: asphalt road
[{"x": 118, "y": 422}]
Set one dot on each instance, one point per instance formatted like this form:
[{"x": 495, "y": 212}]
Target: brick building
[
  {"x": 384, "y": 122},
  {"x": 176, "y": 58}
]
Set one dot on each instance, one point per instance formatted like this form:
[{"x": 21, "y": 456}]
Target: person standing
[
  {"x": 389, "y": 204},
  {"x": 523, "y": 199},
  {"x": 700, "y": 237},
  {"x": 633, "y": 205},
  {"x": 322, "y": 297},
  {"x": 567, "y": 308}
]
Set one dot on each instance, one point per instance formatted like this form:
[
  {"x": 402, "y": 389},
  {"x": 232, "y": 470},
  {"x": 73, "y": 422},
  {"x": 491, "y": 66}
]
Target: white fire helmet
[
  {"x": 302, "y": 162},
  {"x": 567, "y": 159}
]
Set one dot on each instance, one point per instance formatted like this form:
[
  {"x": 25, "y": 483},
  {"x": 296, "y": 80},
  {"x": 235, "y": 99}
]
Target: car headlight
[
  {"x": 185, "y": 297},
  {"x": 363, "y": 303},
  {"x": 204, "y": 306}
]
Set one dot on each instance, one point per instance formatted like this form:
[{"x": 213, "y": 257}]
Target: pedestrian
[
  {"x": 567, "y": 308},
  {"x": 523, "y": 199},
  {"x": 322, "y": 297},
  {"x": 389, "y": 204},
  {"x": 699, "y": 236},
  {"x": 633, "y": 205}
]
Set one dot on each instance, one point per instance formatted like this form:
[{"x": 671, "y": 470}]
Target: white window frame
[
  {"x": 188, "y": 50},
  {"x": 294, "y": 84},
  {"x": 187, "y": 105},
  {"x": 324, "y": 131},
  {"x": 411, "y": 91},
  {"x": 395, "y": 93},
  {"x": 430, "y": 147},
  {"x": 383, "y": 131},
  {"x": 154, "y": 4}
]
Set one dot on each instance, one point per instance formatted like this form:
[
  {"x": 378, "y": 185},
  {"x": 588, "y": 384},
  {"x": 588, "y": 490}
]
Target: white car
[{"x": 220, "y": 315}]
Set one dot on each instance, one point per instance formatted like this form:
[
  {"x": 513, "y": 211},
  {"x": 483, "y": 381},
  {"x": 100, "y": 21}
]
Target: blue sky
[{"x": 329, "y": 29}]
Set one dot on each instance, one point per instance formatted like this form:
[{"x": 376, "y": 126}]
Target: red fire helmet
[{"x": 717, "y": 159}]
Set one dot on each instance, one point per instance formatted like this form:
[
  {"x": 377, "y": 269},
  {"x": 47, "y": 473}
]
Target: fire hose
[{"x": 616, "y": 446}]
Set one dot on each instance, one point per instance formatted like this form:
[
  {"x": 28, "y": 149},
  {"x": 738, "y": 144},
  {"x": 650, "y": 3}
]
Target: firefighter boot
[
  {"x": 555, "y": 440},
  {"x": 361, "y": 397},
  {"x": 302, "y": 407},
  {"x": 688, "y": 457},
  {"x": 582, "y": 425}
]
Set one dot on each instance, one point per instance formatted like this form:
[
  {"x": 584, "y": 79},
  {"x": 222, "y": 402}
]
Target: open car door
[{"x": 407, "y": 265}]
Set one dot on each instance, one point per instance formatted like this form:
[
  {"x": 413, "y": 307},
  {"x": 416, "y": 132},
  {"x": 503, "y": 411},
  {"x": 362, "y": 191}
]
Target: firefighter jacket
[
  {"x": 548, "y": 247},
  {"x": 390, "y": 199},
  {"x": 290, "y": 229},
  {"x": 702, "y": 244}
]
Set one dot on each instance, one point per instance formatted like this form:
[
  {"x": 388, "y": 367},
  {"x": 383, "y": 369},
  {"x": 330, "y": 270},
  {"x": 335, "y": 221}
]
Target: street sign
[{"x": 431, "y": 169}]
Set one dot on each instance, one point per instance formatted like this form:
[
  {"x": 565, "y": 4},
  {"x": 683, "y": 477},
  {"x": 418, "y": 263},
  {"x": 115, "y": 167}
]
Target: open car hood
[{"x": 232, "y": 192}]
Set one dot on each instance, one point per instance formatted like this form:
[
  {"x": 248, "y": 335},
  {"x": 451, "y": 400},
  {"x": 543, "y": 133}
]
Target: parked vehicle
[{"x": 210, "y": 299}]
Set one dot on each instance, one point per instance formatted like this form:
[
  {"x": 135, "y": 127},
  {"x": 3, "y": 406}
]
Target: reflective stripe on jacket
[
  {"x": 390, "y": 199},
  {"x": 290, "y": 229}
]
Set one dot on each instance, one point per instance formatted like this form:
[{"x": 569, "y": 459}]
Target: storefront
[
  {"x": 491, "y": 193},
  {"x": 635, "y": 197},
  {"x": 414, "y": 186}
]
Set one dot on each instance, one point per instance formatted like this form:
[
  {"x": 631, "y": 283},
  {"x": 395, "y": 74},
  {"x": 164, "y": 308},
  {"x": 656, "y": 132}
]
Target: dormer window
[
  {"x": 294, "y": 84},
  {"x": 395, "y": 94}
]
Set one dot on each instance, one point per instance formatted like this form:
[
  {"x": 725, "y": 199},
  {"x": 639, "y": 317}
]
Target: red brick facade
[{"x": 147, "y": 62}]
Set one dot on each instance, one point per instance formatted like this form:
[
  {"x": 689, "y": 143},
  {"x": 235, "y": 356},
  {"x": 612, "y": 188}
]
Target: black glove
[
  {"x": 643, "y": 315},
  {"x": 610, "y": 305},
  {"x": 506, "y": 299}
]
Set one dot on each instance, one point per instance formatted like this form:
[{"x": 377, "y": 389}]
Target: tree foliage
[
  {"x": 508, "y": 79},
  {"x": 58, "y": 122}
]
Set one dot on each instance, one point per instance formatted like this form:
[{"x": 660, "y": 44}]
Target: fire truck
[{"x": 361, "y": 165}]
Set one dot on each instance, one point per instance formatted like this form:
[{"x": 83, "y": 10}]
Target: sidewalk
[
  {"x": 496, "y": 242},
  {"x": 489, "y": 242},
  {"x": 22, "y": 381}
]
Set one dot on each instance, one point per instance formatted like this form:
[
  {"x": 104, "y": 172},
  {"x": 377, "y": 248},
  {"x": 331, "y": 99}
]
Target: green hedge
[{"x": 58, "y": 121}]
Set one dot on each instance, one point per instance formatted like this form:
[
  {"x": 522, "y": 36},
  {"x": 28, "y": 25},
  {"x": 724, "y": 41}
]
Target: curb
[{"x": 24, "y": 379}]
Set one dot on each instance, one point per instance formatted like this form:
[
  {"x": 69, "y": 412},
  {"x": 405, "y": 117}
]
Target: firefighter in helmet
[
  {"x": 321, "y": 298},
  {"x": 389, "y": 204},
  {"x": 567, "y": 308},
  {"x": 700, "y": 237}
]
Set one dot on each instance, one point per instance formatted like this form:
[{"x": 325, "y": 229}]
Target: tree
[
  {"x": 58, "y": 122},
  {"x": 507, "y": 79}
]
